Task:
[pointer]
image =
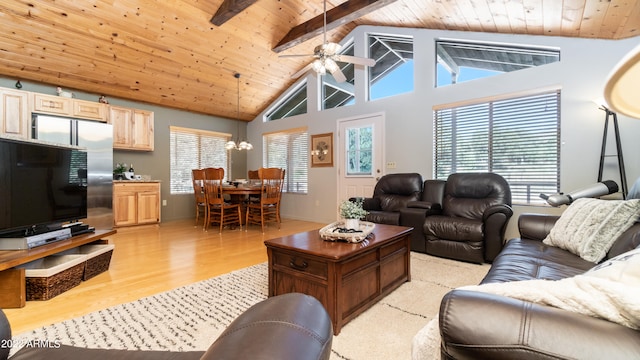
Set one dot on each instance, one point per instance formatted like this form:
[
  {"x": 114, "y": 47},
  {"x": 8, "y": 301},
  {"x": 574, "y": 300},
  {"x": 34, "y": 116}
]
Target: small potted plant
[
  {"x": 118, "y": 171},
  {"x": 352, "y": 212}
]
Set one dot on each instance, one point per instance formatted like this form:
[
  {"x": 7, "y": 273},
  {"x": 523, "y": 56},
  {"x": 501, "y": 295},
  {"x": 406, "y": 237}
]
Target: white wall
[{"x": 581, "y": 74}]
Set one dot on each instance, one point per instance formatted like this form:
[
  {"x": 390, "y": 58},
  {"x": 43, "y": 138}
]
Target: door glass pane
[{"x": 359, "y": 150}]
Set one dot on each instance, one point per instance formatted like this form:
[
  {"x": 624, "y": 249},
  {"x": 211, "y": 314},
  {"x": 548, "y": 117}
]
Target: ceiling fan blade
[
  {"x": 338, "y": 75},
  {"x": 296, "y": 55},
  {"x": 302, "y": 71},
  {"x": 329, "y": 48},
  {"x": 355, "y": 60}
]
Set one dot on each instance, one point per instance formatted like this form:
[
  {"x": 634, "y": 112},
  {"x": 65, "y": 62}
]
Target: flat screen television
[{"x": 42, "y": 186}]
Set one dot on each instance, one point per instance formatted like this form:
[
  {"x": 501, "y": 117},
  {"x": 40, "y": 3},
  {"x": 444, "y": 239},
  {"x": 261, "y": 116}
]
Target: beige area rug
[
  {"x": 387, "y": 329},
  {"x": 191, "y": 317}
]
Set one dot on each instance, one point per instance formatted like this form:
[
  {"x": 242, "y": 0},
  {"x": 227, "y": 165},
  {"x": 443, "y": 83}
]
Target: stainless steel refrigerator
[{"x": 97, "y": 138}]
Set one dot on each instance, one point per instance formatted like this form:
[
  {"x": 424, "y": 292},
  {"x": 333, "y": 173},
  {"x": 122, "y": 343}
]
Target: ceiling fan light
[
  {"x": 243, "y": 145},
  {"x": 332, "y": 48},
  {"x": 331, "y": 65},
  {"x": 318, "y": 66}
]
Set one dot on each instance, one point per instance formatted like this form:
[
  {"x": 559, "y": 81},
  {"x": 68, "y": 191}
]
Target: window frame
[
  {"x": 382, "y": 37},
  {"x": 294, "y": 160},
  {"x": 288, "y": 97},
  {"x": 502, "y": 122},
  {"x": 177, "y": 182},
  {"x": 491, "y": 58},
  {"x": 347, "y": 88}
]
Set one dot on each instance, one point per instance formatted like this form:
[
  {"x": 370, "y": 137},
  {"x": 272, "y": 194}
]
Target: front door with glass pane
[{"x": 360, "y": 155}]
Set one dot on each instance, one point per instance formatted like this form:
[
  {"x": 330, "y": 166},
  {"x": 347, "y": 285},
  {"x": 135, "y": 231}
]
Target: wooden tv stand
[{"x": 12, "y": 280}]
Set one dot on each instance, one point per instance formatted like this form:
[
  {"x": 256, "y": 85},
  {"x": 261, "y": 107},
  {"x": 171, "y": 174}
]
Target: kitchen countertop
[{"x": 136, "y": 181}]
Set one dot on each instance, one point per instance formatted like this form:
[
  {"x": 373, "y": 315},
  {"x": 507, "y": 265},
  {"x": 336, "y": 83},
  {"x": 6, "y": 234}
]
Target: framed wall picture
[{"x": 322, "y": 150}]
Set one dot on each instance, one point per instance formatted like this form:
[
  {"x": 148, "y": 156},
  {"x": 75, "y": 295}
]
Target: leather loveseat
[
  {"x": 462, "y": 218},
  {"x": 290, "y": 326},
  {"x": 477, "y": 325}
]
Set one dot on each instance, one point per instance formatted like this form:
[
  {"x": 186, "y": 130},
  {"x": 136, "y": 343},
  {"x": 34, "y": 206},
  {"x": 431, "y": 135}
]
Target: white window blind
[
  {"x": 518, "y": 138},
  {"x": 194, "y": 149},
  {"x": 289, "y": 150}
]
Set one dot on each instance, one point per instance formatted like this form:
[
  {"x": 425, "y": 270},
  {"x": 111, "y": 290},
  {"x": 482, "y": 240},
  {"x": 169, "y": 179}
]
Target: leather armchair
[
  {"x": 392, "y": 193},
  {"x": 476, "y": 208}
]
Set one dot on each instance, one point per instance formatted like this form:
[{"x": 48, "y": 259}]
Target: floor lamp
[
  {"x": 622, "y": 89},
  {"x": 610, "y": 115}
]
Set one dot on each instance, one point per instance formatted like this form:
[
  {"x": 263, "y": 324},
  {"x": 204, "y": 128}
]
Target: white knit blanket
[
  {"x": 588, "y": 295},
  {"x": 610, "y": 292}
]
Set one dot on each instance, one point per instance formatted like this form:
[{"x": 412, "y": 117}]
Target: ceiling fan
[{"x": 327, "y": 55}]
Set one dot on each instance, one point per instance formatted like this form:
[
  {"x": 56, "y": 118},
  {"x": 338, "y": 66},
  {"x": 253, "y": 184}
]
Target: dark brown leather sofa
[
  {"x": 478, "y": 325},
  {"x": 462, "y": 218},
  {"x": 291, "y": 326}
]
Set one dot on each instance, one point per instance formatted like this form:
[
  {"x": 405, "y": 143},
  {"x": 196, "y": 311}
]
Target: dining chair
[
  {"x": 254, "y": 177},
  {"x": 219, "y": 211},
  {"x": 197, "y": 177},
  {"x": 268, "y": 209}
]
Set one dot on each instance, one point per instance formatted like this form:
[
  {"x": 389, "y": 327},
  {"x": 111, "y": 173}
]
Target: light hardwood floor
[{"x": 152, "y": 259}]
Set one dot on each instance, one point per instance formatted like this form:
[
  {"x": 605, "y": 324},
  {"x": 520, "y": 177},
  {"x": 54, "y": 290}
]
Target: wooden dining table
[
  {"x": 238, "y": 195},
  {"x": 240, "y": 191}
]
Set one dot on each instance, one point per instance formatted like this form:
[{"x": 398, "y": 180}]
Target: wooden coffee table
[{"x": 346, "y": 278}]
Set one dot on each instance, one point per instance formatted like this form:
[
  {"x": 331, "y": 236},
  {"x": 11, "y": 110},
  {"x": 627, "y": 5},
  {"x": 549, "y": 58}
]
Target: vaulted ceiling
[{"x": 176, "y": 53}]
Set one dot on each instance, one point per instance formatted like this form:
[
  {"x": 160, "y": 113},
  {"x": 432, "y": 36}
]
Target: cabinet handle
[{"x": 302, "y": 266}]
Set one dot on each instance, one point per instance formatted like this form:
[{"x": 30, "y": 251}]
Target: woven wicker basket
[
  {"x": 98, "y": 260},
  {"x": 53, "y": 275}
]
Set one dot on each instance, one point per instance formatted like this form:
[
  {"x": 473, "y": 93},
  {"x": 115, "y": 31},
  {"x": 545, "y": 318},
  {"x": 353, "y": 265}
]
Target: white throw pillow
[{"x": 589, "y": 227}]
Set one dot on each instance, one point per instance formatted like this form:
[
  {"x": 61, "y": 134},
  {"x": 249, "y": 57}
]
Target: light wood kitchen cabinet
[
  {"x": 50, "y": 104},
  {"x": 132, "y": 128},
  {"x": 136, "y": 203},
  {"x": 14, "y": 113},
  {"x": 89, "y": 110},
  {"x": 62, "y": 106}
]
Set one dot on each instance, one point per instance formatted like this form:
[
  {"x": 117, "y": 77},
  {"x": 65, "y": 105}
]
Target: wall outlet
[
  {"x": 164, "y": 202},
  {"x": 391, "y": 165}
]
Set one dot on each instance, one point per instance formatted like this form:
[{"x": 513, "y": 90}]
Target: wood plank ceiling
[{"x": 169, "y": 53}]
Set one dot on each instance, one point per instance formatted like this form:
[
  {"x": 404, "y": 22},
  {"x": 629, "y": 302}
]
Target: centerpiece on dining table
[{"x": 351, "y": 228}]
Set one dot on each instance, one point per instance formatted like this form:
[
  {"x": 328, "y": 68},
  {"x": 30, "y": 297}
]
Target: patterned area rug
[{"x": 193, "y": 316}]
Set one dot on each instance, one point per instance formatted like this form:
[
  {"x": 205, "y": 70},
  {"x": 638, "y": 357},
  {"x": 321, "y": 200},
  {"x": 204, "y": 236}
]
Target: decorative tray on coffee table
[{"x": 338, "y": 232}]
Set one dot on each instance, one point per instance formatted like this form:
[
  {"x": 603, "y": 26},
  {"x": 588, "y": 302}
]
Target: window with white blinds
[
  {"x": 289, "y": 150},
  {"x": 194, "y": 149},
  {"x": 518, "y": 138}
]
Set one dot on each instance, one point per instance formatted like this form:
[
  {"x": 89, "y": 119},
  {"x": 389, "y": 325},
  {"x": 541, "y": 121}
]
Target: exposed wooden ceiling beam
[
  {"x": 342, "y": 14},
  {"x": 229, "y": 9}
]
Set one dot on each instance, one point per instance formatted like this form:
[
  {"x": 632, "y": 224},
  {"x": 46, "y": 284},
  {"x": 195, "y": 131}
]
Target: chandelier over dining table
[{"x": 238, "y": 145}]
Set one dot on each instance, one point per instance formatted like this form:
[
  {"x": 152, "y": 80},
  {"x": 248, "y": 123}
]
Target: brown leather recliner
[
  {"x": 470, "y": 221},
  {"x": 392, "y": 193}
]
